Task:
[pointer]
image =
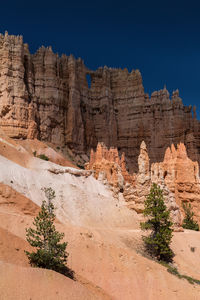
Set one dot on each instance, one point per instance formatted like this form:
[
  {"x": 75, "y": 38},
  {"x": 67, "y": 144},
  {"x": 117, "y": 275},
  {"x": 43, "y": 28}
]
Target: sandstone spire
[
  {"x": 47, "y": 96},
  {"x": 143, "y": 164},
  {"x": 107, "y": 164}
]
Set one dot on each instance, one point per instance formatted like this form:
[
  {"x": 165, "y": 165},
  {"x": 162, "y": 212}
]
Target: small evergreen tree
[
  {"x": 50, "y": 253},
  {"x": 188, "y": 222},
  {"x": 158, "y": 242}
]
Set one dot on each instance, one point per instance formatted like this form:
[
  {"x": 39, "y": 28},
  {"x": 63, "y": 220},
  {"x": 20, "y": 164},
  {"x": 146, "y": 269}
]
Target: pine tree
[
  {"x": 158, "y": 242},
  {"x": 50, "y": 253},
  {"x": 188, "y": 222}
]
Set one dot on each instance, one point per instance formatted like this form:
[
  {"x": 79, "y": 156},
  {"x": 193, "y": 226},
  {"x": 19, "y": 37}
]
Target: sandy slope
[
  {"x": 103, "y": 241},
  {"x": 108, "y": 259},
  {"x": 22, "y": 283},
  {"x": 17, "y": 279},
  {"x": 20, "y": 151},
  {"x": 39, "y": 147},
  {"x": 80, "y": 200}
]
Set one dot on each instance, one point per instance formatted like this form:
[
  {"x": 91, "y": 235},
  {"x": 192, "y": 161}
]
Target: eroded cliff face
[
  {"x": 109, "y": 167},
  {"x": 40, "y": 94},
  {"x": 177, "y": 175},
  {"x": 48, "y": 97},
  {"x": 180, "y": 175}
]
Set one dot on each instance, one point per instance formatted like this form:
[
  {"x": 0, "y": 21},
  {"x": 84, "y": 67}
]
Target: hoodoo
[
  {"x": 46, "y": 96},
  {"x": 178, "y": 186},
  {"x": 53, "y": 123}
]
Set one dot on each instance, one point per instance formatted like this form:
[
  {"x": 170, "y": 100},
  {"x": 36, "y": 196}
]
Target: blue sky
[{"x": 161, "y": 39}]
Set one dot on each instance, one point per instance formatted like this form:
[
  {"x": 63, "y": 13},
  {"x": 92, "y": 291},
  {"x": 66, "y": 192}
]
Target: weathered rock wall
[
  {"x": 177, "y": 175},
  {"x": 47, "y": 96},
  {"x": 40, "y": 94},
  {"x": 108, "y": 168},
  {"x": 180, "y": 175}
]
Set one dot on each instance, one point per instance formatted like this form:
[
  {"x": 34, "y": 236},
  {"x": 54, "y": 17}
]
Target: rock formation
[
  {"x": 180, "y": 176},
  {"x": 135, "y": 195},
  {"x": 47, "y": 96},
  {"x": 109, "y": 167},
  {"x": 177, "y": 175}
]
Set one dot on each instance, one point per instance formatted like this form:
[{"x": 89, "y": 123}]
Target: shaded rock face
[{"x": 48, "y": 97}]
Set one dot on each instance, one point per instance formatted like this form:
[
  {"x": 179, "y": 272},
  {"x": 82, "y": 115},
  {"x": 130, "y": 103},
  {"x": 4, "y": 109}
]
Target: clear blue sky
[{"x": 160, "y": 38}]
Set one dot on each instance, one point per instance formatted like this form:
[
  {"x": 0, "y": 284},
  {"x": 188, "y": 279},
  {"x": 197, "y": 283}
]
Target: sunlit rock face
[
  {"x": 177, "y": 175},
  {"x": 180, "y": 175},
  {"x": 109, "y": 167},
  {"x": 136, "y": 194},
  {"x": 48, "y": 97}
]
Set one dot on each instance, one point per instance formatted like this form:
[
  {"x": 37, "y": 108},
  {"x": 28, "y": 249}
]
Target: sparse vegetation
[
  {"x": 80, "y": 166},
  {"x": 173, "y": 270},
  {"x": 50, "y": 252},
  {"x": 43, "y": 156},
  {"x": 189, "y": 222},
  {"x": 157, "y": 244}
]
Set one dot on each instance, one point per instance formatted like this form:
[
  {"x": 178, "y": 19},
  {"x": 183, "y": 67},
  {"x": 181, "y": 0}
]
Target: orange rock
[
  {"x": 47, "y": 96},
  {"x": 107, "y": 165},
  {"x": 177, "y": 175},
  {"x": 180, "y": 175}
]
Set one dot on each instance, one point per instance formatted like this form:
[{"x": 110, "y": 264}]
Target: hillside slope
[{"x": 103, "y": 235}]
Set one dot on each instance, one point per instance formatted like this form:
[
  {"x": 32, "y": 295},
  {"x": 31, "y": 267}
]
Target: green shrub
[
  {"x": 80, "y": 166},
  {"x": 188, "y": 222},
  {"x": 43, "y": 156},
  {"x": 174, "y": 271},
  {"x": 158, "y": 242}
]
